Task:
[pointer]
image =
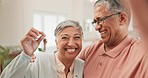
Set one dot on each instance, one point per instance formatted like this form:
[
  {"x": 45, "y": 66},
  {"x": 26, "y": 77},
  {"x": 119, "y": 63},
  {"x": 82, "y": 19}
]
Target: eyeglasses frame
[{"x": 101, "y": 21}]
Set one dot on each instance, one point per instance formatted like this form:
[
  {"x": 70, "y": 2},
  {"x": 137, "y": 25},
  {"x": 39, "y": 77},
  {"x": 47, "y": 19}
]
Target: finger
[
  {"x": 24, "y": 40},
  {"x": 41, "y": 38},
  {"x": 27, "y": 39},
  {"x": 42, "y": 33},
  {"x": 35, "y": 31},
  {"x": 32, "y": 34},
  {"x": 38, "y": 33}
]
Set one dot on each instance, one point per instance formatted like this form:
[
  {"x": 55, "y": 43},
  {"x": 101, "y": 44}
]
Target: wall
[
  {"x": 16, "y": 15},
  {"x": 11, "y": 21}
]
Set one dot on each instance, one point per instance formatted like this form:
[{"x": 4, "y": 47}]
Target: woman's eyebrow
[
  {"x": 77, "y": 34},
  {"x": 64, "y": 35}
]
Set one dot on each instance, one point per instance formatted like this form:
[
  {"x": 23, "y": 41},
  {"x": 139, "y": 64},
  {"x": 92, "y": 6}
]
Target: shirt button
[
  {"x": 76, "y": 75},
  {"x": 100, "y": 64}
]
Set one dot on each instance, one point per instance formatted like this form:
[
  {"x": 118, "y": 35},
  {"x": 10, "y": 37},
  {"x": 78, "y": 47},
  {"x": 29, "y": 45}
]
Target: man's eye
[
  {"x": 98, "y": 19},
  {"x": 94, "y": 21}
]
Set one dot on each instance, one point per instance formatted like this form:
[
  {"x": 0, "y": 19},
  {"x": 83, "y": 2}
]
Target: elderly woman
[{"x": 61, "y": 64}]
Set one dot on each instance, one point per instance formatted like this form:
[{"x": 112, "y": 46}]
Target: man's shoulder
[
  {"x": 137, "y": 42},
  {"x": 94, "y": 45},
  {"x": 138, "y": 46},
  {"x": 90, "y": 50}
]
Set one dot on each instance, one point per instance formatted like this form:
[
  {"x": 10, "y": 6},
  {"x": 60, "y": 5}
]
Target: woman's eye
[
  {"x": 77, "y": 37},
  {"x": 64, "y": 37}
]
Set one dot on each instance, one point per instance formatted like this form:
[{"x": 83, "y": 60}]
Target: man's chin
[{"x": 105, "y": 41}]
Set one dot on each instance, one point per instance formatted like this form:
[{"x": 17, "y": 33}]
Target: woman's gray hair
[
  {"x": 68, "y": 23},
  {"x": 113, "y": 6}
]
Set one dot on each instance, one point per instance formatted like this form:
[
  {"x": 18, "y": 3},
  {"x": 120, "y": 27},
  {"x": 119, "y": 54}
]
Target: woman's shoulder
[
  {"x": 44, "y": 55},
  {"x": 79, "y": 60}
]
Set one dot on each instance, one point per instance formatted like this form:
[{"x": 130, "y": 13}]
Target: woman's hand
[{"x": 31, "y": 41}]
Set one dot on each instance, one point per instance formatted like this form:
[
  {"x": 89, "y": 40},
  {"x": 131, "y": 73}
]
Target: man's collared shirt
[{"x": 120, "y": 62}]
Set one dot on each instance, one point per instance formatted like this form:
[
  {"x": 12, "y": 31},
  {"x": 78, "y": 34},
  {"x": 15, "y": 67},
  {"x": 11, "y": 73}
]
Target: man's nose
[{"x": 98, "y": 27}]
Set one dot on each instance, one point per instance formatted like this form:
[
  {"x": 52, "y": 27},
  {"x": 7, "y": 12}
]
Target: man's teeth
[
  {"x": 103, "y": 32},
  {"x": 71, "y": 50}
]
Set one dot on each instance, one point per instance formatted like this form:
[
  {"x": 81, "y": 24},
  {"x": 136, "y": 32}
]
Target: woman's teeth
[{"x": 71, "y": 50}]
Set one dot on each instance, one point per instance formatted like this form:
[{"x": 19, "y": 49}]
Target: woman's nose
[{"x": 71, "y": 42}]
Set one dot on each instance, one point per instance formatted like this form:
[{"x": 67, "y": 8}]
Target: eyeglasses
[{"x": 101, "y": 21}]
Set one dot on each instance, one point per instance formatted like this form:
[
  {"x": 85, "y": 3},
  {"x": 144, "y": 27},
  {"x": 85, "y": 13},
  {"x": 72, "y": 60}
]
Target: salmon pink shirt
[{"x": 120, "y": 62}]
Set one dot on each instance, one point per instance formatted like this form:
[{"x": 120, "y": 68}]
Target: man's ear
[{"x": 123, "y": 18}]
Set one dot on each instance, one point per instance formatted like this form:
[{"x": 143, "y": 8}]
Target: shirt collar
[
  {"x": 118, "y": 49},
  {"x": 60, "y": 66}
]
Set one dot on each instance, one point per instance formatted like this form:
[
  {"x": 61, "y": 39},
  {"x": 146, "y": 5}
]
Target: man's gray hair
[
  {"x": 68, "y": 23},
  {"x": 113, "y": 6}
]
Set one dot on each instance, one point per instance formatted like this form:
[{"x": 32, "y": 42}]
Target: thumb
[{"x": 40, "y": 39}]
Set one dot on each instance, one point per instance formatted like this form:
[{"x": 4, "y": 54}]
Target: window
[
  {"x": 88, "y": 26},
  {"x": 47, "y": 23},
  {"x": 89, "y": 30}
]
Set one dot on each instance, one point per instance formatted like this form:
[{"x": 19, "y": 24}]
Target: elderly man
[{"x": 117, "y": 55}]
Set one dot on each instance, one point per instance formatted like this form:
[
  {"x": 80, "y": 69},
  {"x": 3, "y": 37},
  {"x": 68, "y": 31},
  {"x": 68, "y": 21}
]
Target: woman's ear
[
  {"x": 123, "y": 18},
  {"x": 56, "y": 43}
]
